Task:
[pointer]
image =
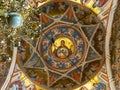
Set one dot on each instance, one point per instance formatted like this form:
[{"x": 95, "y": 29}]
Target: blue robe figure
[{"x": 99, "y": 86}]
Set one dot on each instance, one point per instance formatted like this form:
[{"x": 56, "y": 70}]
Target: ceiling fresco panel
[{"x": 61, "y": 44}]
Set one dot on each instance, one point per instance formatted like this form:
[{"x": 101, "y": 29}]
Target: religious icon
[{"x": 63, "y": 51}]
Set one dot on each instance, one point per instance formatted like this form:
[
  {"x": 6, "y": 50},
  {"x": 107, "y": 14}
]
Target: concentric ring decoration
[{"x": 70, "y": 49}]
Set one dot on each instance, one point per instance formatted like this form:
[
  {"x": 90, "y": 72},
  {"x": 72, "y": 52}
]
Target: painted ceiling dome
[{"x": 69, "y": 48}]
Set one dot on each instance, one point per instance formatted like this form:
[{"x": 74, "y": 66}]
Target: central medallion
[{"x": 62, "y": 47}]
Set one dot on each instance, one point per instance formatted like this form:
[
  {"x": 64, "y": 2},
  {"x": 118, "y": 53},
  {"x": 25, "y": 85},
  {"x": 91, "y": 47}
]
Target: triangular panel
[
  {"x": 90, "y": 69},
  {"x": 88, "y": 31},
  {"x": 34, "y": 62},
  {"x": 76, "y": 74},
  {"x": 91, "y": 55},
  {"x": 69, "y": 16},
  {"x": 53, "y": 77},
  {"x": 45, "y": 20},
  {"x": 38, "y": 75},
  {"x": 64, "y": 84}
]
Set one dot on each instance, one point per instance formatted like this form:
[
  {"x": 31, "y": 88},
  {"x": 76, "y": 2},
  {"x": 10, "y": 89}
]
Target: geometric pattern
[{"x": 65, "y": 52}]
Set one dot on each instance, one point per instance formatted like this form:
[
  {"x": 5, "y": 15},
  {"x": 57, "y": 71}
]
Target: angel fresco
[
  {"x": 16, "y": 83},
  {"x": 19, "y": 85},
  {"x": 99, "y": 86}
]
